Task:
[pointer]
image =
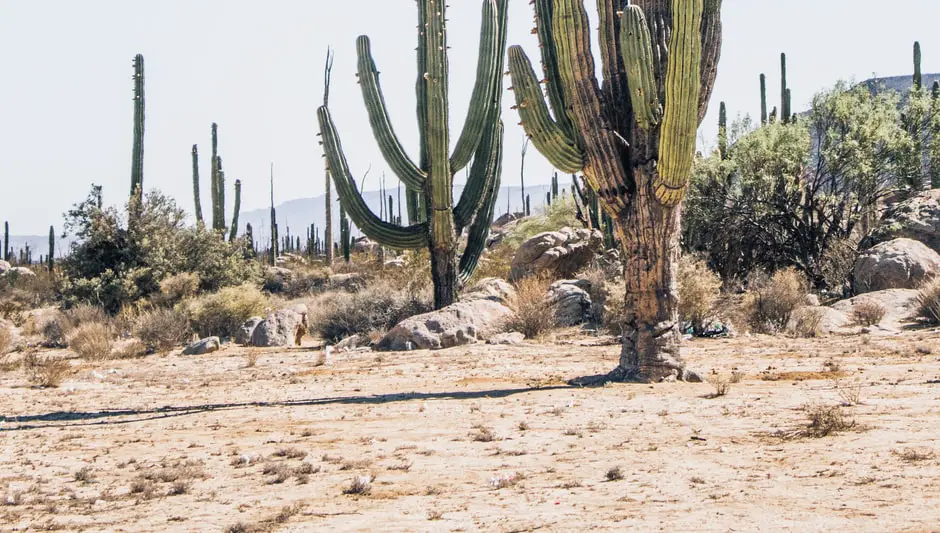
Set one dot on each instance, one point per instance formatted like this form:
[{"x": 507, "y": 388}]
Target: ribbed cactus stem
[
  {"x": 214, "y": 176},
  {"x": 918, "y": 78},
  {"x": 198, "y": 202},
  {"x": 723, "y": 131},
  {"x": 238, "y": 205},
  {"x": 249, "y": 239},
  {"x": 137, "y": 157},
  {"x": 528, "y": 206},
  {"x": 763, "y": 99},
  {"x": 221, "y": 185},
  {"x": 50, "y": 259},
  {"x": 784, "y": 91},
  {"x": 637, "y": 50},
  {"x": 6, "y": 240},
  {"x": 273, "y": 251}
]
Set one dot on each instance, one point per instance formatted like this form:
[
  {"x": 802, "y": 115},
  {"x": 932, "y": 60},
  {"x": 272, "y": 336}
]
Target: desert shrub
[
  {"x": 699, "y": 288},
  {"x": 130, "y": 349},
  {"x": 51, "y": 324},
  {"x": 162, "y": 329},
  {"x": 928, "y": 302},
  {"x": 307, "y": 281},
  {"x": 337, "y": 315},
  {"x": 532, "y": 315},
  {"x": 86, "y": 314},
  {"x": 91, "y": 341},
  {"x": 562, "y": 213},
  {"x": 222, "y": 313},
  {"x": 614, "y": 309},
  {"x": 771, "y": 300},
  {"x": 177, "y": 288},
  {"x": 868, "y": 313},
  {"x": 46, "y": 372},
  {"x": 599, "y": 290},
  {"x": 808, "y": 323},
  {"x": 6, "y": 339}
]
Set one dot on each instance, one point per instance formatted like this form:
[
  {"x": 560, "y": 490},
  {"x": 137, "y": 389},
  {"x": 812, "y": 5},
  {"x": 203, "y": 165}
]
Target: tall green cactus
[
  {"x": 137, "y": 157},
  {"x": 233, "y": 233},
  {"x": 50, "y": 259},
  {"x": 274, "y": 244},
  {"x": 763, "y": 99},
  {"x": 344, "y": 233},
  {"x": 199, "y": 220},
  {"x": 723, "y": 131},
  {"x": 6, "y": 240},
  {"x": 633, "y": 138},
  {"x": 918, "y": 77},
  {"x": 784, "y": 91},
  {"x": 436, "y": 222},
  {"x": 216, "y": 163}
]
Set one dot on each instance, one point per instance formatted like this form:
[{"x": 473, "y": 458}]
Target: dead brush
[
  {"x": 849, "y": 393},
  {"x": 928, "y": 301},
  {"x": 6, "y": 340},
  {"x": 91, "y": 341},
  {"x": 722, "y": 386},
  {"x": 911, "y": 455},
  {"x": 533, "y": 315},
  {"x": 360, "y": 485},
  {"x": 868, "y": 313},
  {"x": 46, "y": 372},
  {"x": 482, "y": 433},
  {"x": 824, "y": 420}
]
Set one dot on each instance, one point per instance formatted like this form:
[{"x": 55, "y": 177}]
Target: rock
[
  {"x": 397, "y": 263},
  {"x": 512, "y": 338},
  {"x": 244, "y": 333},
  {"x": 480, "y": 314},
  {"x": 354, "y": 342},
  {"x": 916, "y": 218},
  {"x": 898, "y": 264},
  {"x": 277, "y": 278},
  {"x": 506, "y": 218},
  {"x": 561, "y": 252},
  {"x": 365, "y": 246},
  {"x": 14, "y": 272},
  {"x": 811, "y": 300},
  {"x": 204, "y": 346},
  {"x": 347, "y": 282},
  {"x": 4, "y": 267},
  {"x": 830, "y": 320},
  {"x": 571, "y": 300},
  {"x": 279, "y": 328},
  {"x": 900, "y": 305}
]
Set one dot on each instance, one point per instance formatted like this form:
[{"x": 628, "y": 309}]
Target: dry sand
[{"x": 207, "y": 443}]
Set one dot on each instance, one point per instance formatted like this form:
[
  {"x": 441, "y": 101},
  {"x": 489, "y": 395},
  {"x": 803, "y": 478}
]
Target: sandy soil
[{"x": 481, "y": 438}]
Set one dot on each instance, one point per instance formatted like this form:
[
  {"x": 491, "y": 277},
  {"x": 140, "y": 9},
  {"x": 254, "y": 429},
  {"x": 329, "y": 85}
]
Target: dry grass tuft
[
  {"x": 868, "y": 313},
  {"x": 808, "y": 325},
  {"x": 532, "y": 315},
  {"x": 46, "y": 372},
  {"x": 6, "y": 340},
  {"x": 360, "y": 485},
  {"x": 482, "y": 434},
  {"x": 771, "y": 300},
  {"x": 162, "y": 330},
  {"x": 824, "y": 420},
  {"x": 614, "y": 474},
  {"x": 722, "y": 386},
  {"x": 928, "y": 301},
  {"x": 911, "y": 455},
  {"x": 699, "y": 288},
  {"x": 91, "y": 341}
]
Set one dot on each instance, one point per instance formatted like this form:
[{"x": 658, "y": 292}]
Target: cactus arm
[
  {"x": 391, "y": 147},
  {"x": 553, "y": 87},
  {"x": 221, "y": 185},
  {"x": 198, "y": 212},
  {"x": 482, "y": 173},
  {"x": 440, "y": 174},
  {"x": 637, "y": 50},
  {"x": 390, "y": 235},
  {"x": 548, "y": 135},
  {"x": 711, "y": 53},
  {"x": 615, "y": 86},
  {"x": 238, "y": 205},
  {"x": 480, "y": 228},
  {"x": 680, "y": 121},
  {"x": 489, "y": 69}
]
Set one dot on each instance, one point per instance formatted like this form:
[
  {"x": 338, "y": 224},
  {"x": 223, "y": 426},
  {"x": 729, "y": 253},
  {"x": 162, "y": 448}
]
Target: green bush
[{"x": 222, "y": 313}]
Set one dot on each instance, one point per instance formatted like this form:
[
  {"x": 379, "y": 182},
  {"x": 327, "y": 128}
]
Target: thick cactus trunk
[{"x": 198, "y": 202}]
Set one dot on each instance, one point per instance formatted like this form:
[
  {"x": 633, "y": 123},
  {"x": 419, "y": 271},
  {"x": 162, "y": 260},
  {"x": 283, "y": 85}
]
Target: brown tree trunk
[{"x": 444, "y": 274}]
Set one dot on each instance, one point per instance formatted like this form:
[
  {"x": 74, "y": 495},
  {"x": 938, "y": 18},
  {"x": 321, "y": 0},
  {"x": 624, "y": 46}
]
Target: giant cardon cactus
[
  {"x": 632, "y": 137},
  {"x": 436, "y": 222},
  {"x": 137, "y": 156}
]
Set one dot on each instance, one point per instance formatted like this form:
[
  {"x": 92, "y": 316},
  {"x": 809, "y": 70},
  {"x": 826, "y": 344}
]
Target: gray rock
[
  {"x": 396, "y": 263},
  {"x": 244, "y": 333},
  {"x": 4, "y": 267},
  {"x": 915, "y": 218},
  {"x": 898, "y": 264},
  {"x": 571, "y": 300},
  {"x": 562, "y": 252},
  {"x": 512, "y": 338},
  {"x": 900, "y": 305},
  {"x": 480, "y": 314},
  {"x": 829, "y": 320},
  {"x": 279, "y": 328},
  {"x": 365, "y": 246},
  {"x": 811, "y": 300},
  {"x": 354, "y": 342},
  {"x": 204, "y": 346},
  {"x": 22, "y": 272}
]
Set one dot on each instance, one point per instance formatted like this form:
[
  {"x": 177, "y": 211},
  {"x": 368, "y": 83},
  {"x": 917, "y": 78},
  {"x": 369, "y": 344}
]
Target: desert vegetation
[{"x": 438, "y": 359}]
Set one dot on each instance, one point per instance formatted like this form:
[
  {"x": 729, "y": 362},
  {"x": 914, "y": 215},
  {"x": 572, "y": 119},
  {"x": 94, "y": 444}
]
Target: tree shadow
[{"x": 116, "y": 416}]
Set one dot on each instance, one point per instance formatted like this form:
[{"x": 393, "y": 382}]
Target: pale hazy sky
[{"x": 256, "y": 69}]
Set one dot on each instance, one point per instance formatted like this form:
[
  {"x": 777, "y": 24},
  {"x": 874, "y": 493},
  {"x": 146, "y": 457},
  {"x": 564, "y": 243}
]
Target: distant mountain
[
  {"x": 299, "y": 214},
  {"x": 38, "y": 245},
  {"x": 901, "y": 84}
]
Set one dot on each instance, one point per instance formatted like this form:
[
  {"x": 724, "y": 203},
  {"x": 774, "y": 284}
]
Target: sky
[{"x": 255, "y": 68}]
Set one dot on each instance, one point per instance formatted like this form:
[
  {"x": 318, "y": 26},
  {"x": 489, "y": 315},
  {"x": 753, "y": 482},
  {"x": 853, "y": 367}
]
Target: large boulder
[
  {"x": 280, "y": 327},
  {"x": 244, "y": 333},
  {"x": 562, "y": 252},
  {"x": 481, "y": 313},
  {"x": 204, "y": 346},
  {"x": 826, "y": 319},
  {"x": 365, "y": 245},
  {"x": 899, "y": 304},
  {"x": 915, "y": 218},
  {"x": 4, "y": 267},
  {"x": 571, "y": 300},
  {"x": 898, "y": 264}
]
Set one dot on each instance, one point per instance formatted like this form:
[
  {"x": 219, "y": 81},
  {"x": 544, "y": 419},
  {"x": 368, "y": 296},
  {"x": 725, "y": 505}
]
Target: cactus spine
[
  {"x": 723, "y": 131},
  {"x": 763, "y": 99},
  {"x": 435, "y": 221},
  {"x": 637, "y": 164},
  {"x": 918, "y": 78},
  {"x": 137, "y": 157}
]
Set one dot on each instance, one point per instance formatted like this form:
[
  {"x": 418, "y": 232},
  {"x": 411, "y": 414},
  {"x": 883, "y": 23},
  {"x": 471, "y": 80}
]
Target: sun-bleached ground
[{"x": 480, "y": 438}]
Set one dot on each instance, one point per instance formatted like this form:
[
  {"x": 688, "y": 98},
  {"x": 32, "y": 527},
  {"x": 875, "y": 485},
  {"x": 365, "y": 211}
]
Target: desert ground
[{"x": 482, "y": 438}]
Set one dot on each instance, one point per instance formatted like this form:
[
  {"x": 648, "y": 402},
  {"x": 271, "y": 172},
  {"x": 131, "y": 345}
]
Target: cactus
[
  {"x": 50, "y": 259},
  {"x": 528, "y": 206},
  {"x": 344, "y": 234},
  {"x": 435, "y": 221},
  {"x": 784, "y": 90},
  {"x": 554, "y": 186},
  {"x": 273, "y": 251},
  {"x": 249, "y": 239},
  {"x": 918, "y": 78},
  {"x": 723, "y": 131},
  {"x": 935, "y": 90},
  {"x": 763, "y": 99},
  {"x": 633, "y": 138},
  {"x": 214, "y": 180},
  {"x": 233, "y": 234},
  {"x": 199, "y": 220},
  {"x": 137, "y": 157},
  {"x": 6, "y": 240},
  {"x": 525, "y": 203}
]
